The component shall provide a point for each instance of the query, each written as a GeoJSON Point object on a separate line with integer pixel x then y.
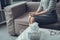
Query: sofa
{"type": "Point", "coordinates": [17, 17]}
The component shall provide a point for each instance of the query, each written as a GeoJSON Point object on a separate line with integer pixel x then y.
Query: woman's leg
{"type": "Point", "coordinates": [31, 19]}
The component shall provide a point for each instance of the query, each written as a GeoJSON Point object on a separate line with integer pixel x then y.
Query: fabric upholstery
{"type": "Point", "coordinates": [19, 10]}
{"type": "Point", "coordinates": [21, 23]}
{"type": "Point", "coordinates": [9, 21]}
{"type": "Point", "coordinates": [9, 14]}
{"type": "Point", "coordinates": [32, 6]}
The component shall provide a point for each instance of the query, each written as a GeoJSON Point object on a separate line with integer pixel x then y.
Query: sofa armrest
{"type": "Point", "coordinates": [32, 6]}
{"type": "Point", "coordinates": [16, 9]}
{"type": "Point", "coordinates": [12, 12]}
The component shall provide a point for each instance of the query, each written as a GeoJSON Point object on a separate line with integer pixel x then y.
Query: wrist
{"type": "Point", "coordinates": [36, 13]}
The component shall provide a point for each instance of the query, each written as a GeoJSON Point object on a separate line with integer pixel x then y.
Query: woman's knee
{"type": "Point", "coordinates": [32, 20]}
{"type": "Point", "coordinates": [29, 18]}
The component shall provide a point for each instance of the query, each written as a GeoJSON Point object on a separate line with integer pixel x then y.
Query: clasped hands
{"type": "Point", "coordinates": [37, 13]}
{"type": "Point", "coordinates": [33, 13]}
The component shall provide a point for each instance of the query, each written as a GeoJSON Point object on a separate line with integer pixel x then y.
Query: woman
{"type": "Point", "coordinates": [45, 14]}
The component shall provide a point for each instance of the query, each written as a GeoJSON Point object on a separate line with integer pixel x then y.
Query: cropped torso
{"type": "Point", "coordinates": [45, 5]}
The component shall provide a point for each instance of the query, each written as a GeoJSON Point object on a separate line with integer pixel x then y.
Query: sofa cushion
{"type": "Point", "coordinates": [22, 20]}
{"type": "Point", "coordinates": [21, 23]}
{"type": "Point", "coordinates": [32, 6]}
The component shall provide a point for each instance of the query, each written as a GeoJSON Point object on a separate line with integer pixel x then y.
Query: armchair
{"type": "Point", "coordinates": [17, 17]}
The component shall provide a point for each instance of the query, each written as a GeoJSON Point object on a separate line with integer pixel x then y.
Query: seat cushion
{"type": "Point", "coordinates": [21, 23]}
{"type": "Point", "coordinates": [22, 20]}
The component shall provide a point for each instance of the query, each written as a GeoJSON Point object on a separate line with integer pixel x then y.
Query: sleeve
{"type": "Point", "coordinates": [52, 5]}
{"type": "Point", "coordinates": [40, 6]}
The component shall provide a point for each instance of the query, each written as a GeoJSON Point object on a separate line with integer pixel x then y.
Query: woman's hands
{"type": "Point", "coordinates": [33, 13]}
{"type": "Point", "coordinates": [36, 13]}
